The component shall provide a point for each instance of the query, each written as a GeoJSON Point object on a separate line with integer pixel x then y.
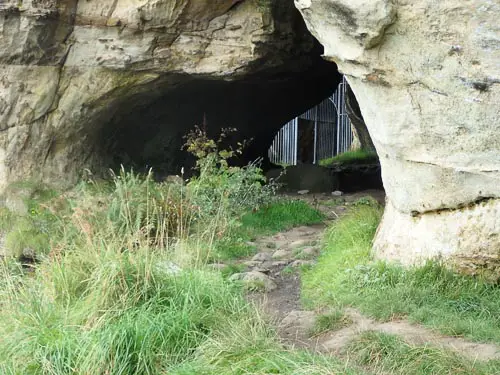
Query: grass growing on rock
{"type": "Point", "coordinates": [351, 157]}
{"type": "Point", "coordinates": [433, 295]}
{"type": "Point", "coordinates": [390, 354]}
{"type": "Point", "coordinates": [330, 321]}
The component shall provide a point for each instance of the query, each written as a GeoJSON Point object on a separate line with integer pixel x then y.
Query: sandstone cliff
{"type": "Point", "coordinates": [72, 69]}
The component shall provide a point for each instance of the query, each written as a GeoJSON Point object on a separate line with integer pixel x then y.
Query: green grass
{"type": "Point", "coordinates": [251, 350]}
{"type": "Point", "coordinates": [280, 216]}
{"type": "Point", "coordinates": [231, 269]}
{"type": "Point", "coordinates": [345, 276]}
{"type": "Point", "coordinates": [330, 321]}
{"type": "Point", "coordinates": [270, 219]}
{"type": "Point", "coordinates": [351, 157]}
{"type": "Point", "coordinates": [116, 295]}
{"type": "Point", "coordinates": [390, 354]}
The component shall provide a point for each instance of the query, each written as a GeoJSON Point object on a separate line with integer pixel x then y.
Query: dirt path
{"type": "Point", "coordinates": [275, 274]}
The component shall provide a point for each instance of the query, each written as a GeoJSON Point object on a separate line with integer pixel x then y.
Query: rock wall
{"type": "Point", "coordinates": [426, 74]}
{"type": "Point", "coordinates": [69, 68]}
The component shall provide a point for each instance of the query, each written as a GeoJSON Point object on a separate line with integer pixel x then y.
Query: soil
{"type": "Point", "coordinates": [280, 257]}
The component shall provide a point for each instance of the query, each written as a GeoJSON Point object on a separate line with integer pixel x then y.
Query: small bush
{"type": "Point", "coordinates": [28, 236]}
{"type": "Point", "coordinates": [26, 240]}
{"type": "Point", "coordinates": [221, 186]}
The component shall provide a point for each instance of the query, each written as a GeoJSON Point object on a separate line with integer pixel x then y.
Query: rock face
{"type": "Point", "coordinates": [75, 75]}
{"type": "Point", "coordinates": [426, 75]}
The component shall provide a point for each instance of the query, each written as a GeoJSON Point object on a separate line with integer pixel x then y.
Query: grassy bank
{"type": "Point", "coordinates": [385, 353]}
{"type": "Point", "coordinates": [346, 276]}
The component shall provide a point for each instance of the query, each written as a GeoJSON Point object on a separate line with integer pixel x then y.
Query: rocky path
{"type": "Point", "coordinates": [273, 279]}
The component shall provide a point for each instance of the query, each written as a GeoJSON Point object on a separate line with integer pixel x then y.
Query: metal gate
{"type": "Point", "coordinates": [332, 131]}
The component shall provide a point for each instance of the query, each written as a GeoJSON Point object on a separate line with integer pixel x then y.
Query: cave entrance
{"type": "Point", "coordinates": [148, 132]}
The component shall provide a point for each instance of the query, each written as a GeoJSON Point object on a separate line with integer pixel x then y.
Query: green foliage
{"type": "Point", "coordinates": [351, 157]}
{"type": "Point", "coordinates": [147, 319]}
{"type": "Point", "coordinates": [264, 5]}
{"type": "Point", "coordinates": [249, 348]}
{"type": "Point", "coordinates": [231, 269]}
{"type": "Point", "coordinates": [391, 354]}
{"type": "Point", "coordinates": [123, 290]}
{"type": "Point", "coordinates": [345, 275]}
{"type": "Point", "coordinates": [220, 186]}
{"type": "Point", "coordinates": [366, 201]}
{"type": "Point", "coordinates": [29, 235]}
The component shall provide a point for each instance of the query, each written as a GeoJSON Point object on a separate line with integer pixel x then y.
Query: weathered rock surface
{"type": "Point", "coordinates": [71, 69]}
{"type": "Point", "coordinates": [427, 79]}
{"type": "Point", "coordinates": [255, 281]}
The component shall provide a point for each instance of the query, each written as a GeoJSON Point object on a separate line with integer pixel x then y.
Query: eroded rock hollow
{"type": "Point", "coordinates": [426, 75]}
{"type": "Point", "coordinates": [89, 83]}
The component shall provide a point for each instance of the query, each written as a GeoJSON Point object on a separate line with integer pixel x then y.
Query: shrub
{"type": "Point", "coordinates": [220, 186]}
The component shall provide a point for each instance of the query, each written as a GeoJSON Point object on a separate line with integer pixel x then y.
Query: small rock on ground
{"type": "Point", "coordinates": [282, 254]}
{"type": "Point", "coordinates": [301, 262]}
{"type": "Point", "coordinates": [255, 280]}
{"type": "Point", "coordinates": [261, 257]}
{"type": "Point", "coordinates": [300, 243]}
{"type": "Point", "coordinates": [309, 252]}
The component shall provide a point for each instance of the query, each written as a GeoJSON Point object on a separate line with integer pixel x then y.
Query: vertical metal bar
{"type": "Point", "coordinates": [339, 124]}
{"type": "Point", "coordinates": [280, 150]}
{"type": "Point", "coordinates": [315, 135]}
{"type": "Point", "coordinates": [296, 128]}
{"type": "Point", "coordinates": [288, 144]}
{"type": "Point", "coordinates": [285, 156]}
{"type": "Point", "coordinates": [285, 144]}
